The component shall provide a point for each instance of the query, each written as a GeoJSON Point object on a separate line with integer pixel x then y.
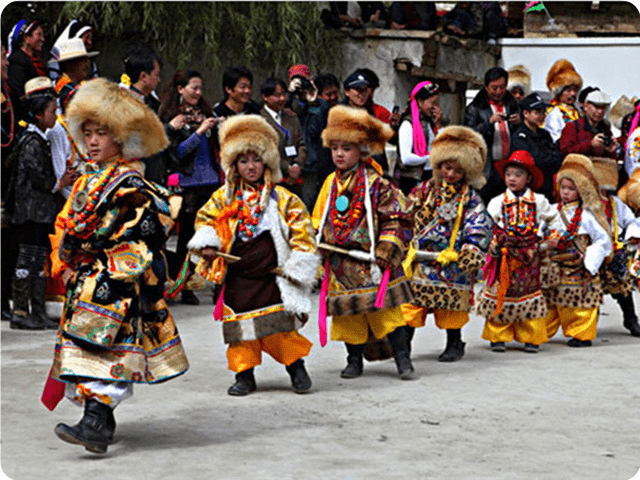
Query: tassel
{"type": "Point", "coordinates": [407, 264]}
{"type": "Point", "coordinates": [489, 271]}
{"type": "Point", "coordinates": [181, 280]}
{"type": "Point", "coordinates": [322, 310]}
{"type": "Point", "coordinates": [219, 308]}
{"type": "Point", "coordinates": [445, 257]}
{"type": "Point", "coordinates": [53, 392]}
{"type": "Point", "coordinates": [504, 281]}
{"type": "Point", "coordinates": [382, 290]}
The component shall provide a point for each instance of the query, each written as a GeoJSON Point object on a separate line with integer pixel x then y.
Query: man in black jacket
{"type": "Point", "coordinates": [537, 141]}
{"type": "Point", "coordinates": [494, 114]}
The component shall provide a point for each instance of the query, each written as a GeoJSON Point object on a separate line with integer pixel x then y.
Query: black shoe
{"type": "Point", "coordinates": [300, 380]}
{"type": "Point", "coordinates": [531, 348]}
{"type": "Point", "coordinates": [245, 384]}
{"type": "Point", "coordinates": [355, 361]}
{"type": "Point", "coordinates": [189, 298]}
{"type": "Point", "coordinates": [574, 342]}
{"type": "Point", "coordinates": [6, 315]}
{"type": "Point", "coordinates": [453, 352]}
{"type": "Point", "coordinates": [631, 324]}
{"type": "Point", "coordinates": [19, 322]}
{"type": "Point", "coordinates": [498, 347]}
{"type": "Point", "coordinates": [94, 431]}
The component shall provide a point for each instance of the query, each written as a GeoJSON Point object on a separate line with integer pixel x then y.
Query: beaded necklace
{"type": "Point", "coordinates": [572, 229]}
{"type": "Point", "coordinates": [520, 220]}
{"type": "Point", "coordinates": [344, 214]}
{"type": "Point", "coordinates": [248, 216]}
{"type": "Point", "coordinates": [82, 219]}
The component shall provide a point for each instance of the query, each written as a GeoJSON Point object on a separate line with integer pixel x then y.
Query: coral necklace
{"type": "Point", "coordinates": [344, 214]}
{"type": "Point", "coordinates": [520, 220]}
{"type": "Point", "coordinates": [82, 219]}
{"type": "Point", "coordinates": [572, 229]}
{"type": "Point", "coordinates": [248, 209]}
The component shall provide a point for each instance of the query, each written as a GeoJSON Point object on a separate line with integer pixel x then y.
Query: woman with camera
{"type": "Point", "coordinates": [193, 147]}
{"type": "Point", "coordinates": [418, 127]}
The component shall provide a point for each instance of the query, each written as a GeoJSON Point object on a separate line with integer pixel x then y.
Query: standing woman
{"type": "Point", "coordinates": [418, 127]}
{"type": "Point", "coordinates": [190, 120]}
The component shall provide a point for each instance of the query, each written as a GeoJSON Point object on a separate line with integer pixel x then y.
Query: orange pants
{"type": "Point", "coordinates": [416, 317]}
{"type": "Point", "coordinates": [530, 331]}
{"type": "Point", "coordinates": [284, 347]}
{"type": "Point", "coordinates": [580, 323]}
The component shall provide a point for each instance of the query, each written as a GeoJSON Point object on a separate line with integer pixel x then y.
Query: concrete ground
{"type": "Point", "coordinates": [563, 413]}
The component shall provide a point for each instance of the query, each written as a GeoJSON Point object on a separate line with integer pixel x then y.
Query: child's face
{"type": "Point", "coordinates": [451, 171]}
{"type": "Point", "coordinates": [100, 144]}
{"type": "Point", "coordinates": [516, 178]}
{"type": "Point", "coordinates": [344, 154]}
{"type": "Point", "coordinates": [47, 119]}
{"type": "Point", "coordinates": [250, 167]}
{"type": "Point", "coordinates": [568, 191]}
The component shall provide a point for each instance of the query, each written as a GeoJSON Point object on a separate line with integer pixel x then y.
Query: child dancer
{"type": "Point", "coordinates": [364, 225]}
{"type": "Point", "coordinates": [267, 289]}
{"type": "Point", "coordinates": [583, 244]}
{"type": "Point", "coordinates": [116, 329]}
{"type": "Point", "coordinates": [512, 300]}
{"type": "Point", "coordinates": [452, 223]}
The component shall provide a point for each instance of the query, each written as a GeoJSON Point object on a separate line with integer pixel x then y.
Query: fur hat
{"type": "Point", "coordinates": [356, 125]}
{"type": "Point", "coordinates": [630, 192]}
{"type": "Point", "coordinates": [561, 75]}
{"type": "Point", "coordinates": [579, 169]}
{"type": "Point", "coordinates": [606, 173]}
{"type": "Point", "coordinates": [622, 108]}
{"type": "Point", "coordinates": [519, 76]}
{"type": "Point", "coordinates": [465, 146]}
{"type": "Point", "coordinates": [522, 159]}
{"type": "Point", "coordinates": [133, 125]}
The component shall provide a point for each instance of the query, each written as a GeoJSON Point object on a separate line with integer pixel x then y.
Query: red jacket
{"type": "Point", "coordinates": [576, 138]}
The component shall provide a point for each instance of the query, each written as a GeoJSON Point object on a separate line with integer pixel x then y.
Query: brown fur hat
{"type": "Point", "coordinates": [519, 76]}
{"type": "Point", "coordinates": [356, 125]}
{"type": "Point", "coordinates": [562, 74]}
{"type": "Point", "coordinates": [133, 125]}
{"type": "Point", "coordinates": [465, 146]}
{"type": "Point", "coordinates": [579, 169]}
{"type": "Point", "coordinates": [248, 133]}
{"type": "Point", "coordinates": [630, 192]}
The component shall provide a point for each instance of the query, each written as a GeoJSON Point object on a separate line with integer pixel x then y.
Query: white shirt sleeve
{"type": "Point", "coordinates": [627, 221]}
{"type": "Point", "coordinates": [553, 123]}
{"type": "Point", "coordinates": [600, 243]}
{"type": "Point", "coordinates": [405, 143]}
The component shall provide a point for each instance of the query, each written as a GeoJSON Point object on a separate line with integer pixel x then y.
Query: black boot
{"type": "Point", "coordinates": [189, 298]}
{"type": "Point", "coordinates": [21, 291]}
{"type": "Point", "coordinates": [454, 350]}
{"type": "Point", "coordinates": [300, 380]}
{"type": "Point", "coordinates": [410, 332]}
{"type": "Point", "coordinates": [245, 384]}
{"type": "Point", "coordinates": [630, 321]}
{"type": "Point", "coordinates": [399, 340]}
{"type": "Point", "coordinates": [38, 309]}
{"type": "Point", "coordinates": [95, 429]}
{"type": "Point", "coordinates": [354, 361]}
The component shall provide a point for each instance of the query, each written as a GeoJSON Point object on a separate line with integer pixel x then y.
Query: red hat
{"type": "Point", "coordinates": [522, 158]}
{"type": "Point", "coordinates": [299, 70]}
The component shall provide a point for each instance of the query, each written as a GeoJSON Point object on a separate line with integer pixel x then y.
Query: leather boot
{"type": "Point", "coordinates": [454, 350]}
{"type": "Point", "coordinates": [354, 361]}
{"type": "Point", "coordinates": [21, 291]}
{"type": "Point", "coordinates": [399, 340]}
{"type": "Point", "coordinates": [410, 332]}
{"type": "Point", "coordinates": [245, 384]}
{"type": "Point", "coordinates": [95, 429]}
{"type": "Point", "coordinates": [300, 380]}
{"type": "Point", "coordinates": [630, 317]}
{"type": "Point", "coordinates": [38, 309]}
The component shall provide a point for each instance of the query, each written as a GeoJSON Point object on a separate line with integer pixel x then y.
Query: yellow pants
{"type": "Point", "coordinates": [530, 331]}
{"type": "Point", "coordinates": [416, 317]}
{"type": "Point", "coordinates": [354, 329]}
{"type": "Point", "coordinates": [284, 347]}
{"type": "Point", "coordinates": [580, 323]}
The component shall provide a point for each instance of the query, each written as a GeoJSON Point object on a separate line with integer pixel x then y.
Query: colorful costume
{"type": "Point", "coordinates": [512, 300]}
{"type": "Point", "coordinates": [584, 244]}
{"type": "Point", "coordinates": [266, 293]}
{"type": "Point", "coordinates": [442, 211]}
{"type": "Point", "coordinates": [561, 75]}
{"type": "Point", "coordinates": [359, 211]}
{"type": "Point", "coordinates": [116, 329]}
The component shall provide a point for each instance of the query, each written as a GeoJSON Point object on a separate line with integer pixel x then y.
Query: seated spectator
{"type": "Point", "coordinates": [537, 141]}
{"type": "Point", "coordinates": [237, 83]}
{"type": "Point", "coordinates": [413, 16]}
{"type": "Point", "coordinates": [464, 20]}
{"type": "Point", "coordinates": [373, 14]}
{"type": "Point", "coordinates": [328, 88]}
{"type": "Point", "coordinates": [340, 15]}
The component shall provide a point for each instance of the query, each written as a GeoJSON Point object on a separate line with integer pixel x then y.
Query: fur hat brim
{"type": "Point", "coordinates": [242, 134]}
{"type": "Point", "coordinates": [630, 192]}
{"type": "Point", "coordinates": [356, 125]}
{"type": "Point", "coordinates": [519, 76]}
{"type": "Point", "coordinates": [561, 75]}
{"type": "Point", "coordinates": [464, 146]}
{"type": "Point", "coordinates": [132, 124]}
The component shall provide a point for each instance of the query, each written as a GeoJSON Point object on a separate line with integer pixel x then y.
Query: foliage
{"type": "Point", "coordinates": [253, 33]}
